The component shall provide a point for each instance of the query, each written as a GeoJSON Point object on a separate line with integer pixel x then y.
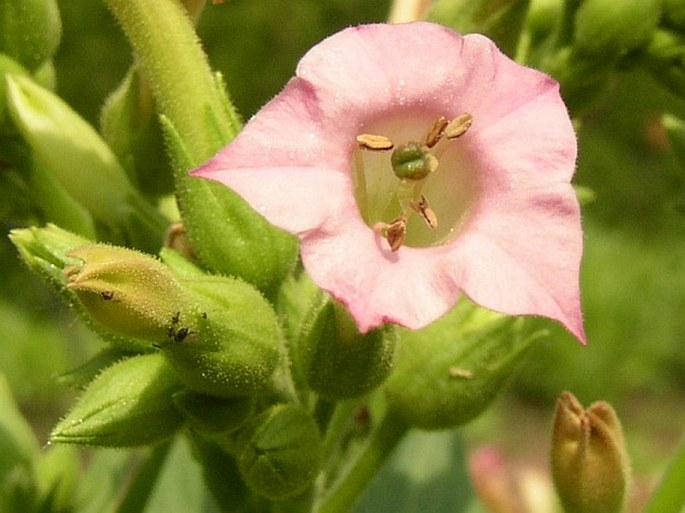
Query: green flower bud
{"type": "Point", "coordinates": [128, 292]}
{"type": "Point", "coordinates": [213, 415]}
{"type": "Point", "coordinates": [73, 152]}
{"type": "Point", "coordinates": [333, 358]}
{"type": "Point", "coordinates": [614, 27]}
{"type": "Point", "coordinates": [79, 377]}
{"type": "Point", "coordinates": [45, 251]}
{"type": "Point", "coordinates": [30, 30]}
{"type": "Point", "coordinates": [130, 126]}
{"type": "Point", "coordinates": [128, 404]}
{"type": "Point", "coordinates": [589, 462]}
{"type": "Point", "coordinates": [448, 373]}
{"type": "Point", "coordinates": [665, 60]}
{"type": "Point", "coordinates": [230, 343]}
{"type": "Point", "coordinates": [280, 452]}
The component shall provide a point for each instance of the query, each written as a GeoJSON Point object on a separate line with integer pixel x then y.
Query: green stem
{"type": "Point", "coordinates": [669, 497]}
{"type": "Point", "coordinates": [170, 57]}
{"type": "Point", "coordinates": [143, 483]}
{"type": "Point", "coordinates": [349, 488]}
{"type": "Point", "coordinates": [337, 426]}
{"type": "Point", "coordinates": [567, 23]}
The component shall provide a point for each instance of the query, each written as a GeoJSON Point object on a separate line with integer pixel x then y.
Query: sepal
{"type": "Point", "coordinates": [329, 354]}
{"type": "Point", "coordinates": [229, 343]}
{"type": "Point", "coordinates": [128, 404]}
{"type": "Point", "coordinates": [211, 415]}
{"type": "Point", "coordinates": [448, 373]}
{"type": "Point", "coordinates": [280, 452]}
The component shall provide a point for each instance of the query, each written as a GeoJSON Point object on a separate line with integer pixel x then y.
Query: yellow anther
{"type": "Point", "coordinates": [374, 142]}
{"type": "Point", "coordinates": [458, 126]}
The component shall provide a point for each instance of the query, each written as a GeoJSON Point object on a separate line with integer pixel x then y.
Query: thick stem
{"type": "Point", "coordinates": [350, 487]}
{"type": "Point", "coordinates": [177, 70]}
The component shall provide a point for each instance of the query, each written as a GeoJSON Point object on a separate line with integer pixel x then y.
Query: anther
{"type": "Point", "coordinates": [458, 126]}
{"type": "Point", "coordinates": [374, 142]}
{"type": "Point", "coordinates": [426, 212]}
{"type": "Point", "coordinates": [436, 131]}
{"type": "Point", "coordinates": [394, 233]}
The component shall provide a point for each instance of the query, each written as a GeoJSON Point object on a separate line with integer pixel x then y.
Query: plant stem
{"type": "Point", "coordinates": [349, 488]}
{"type": "Point", "coordinates": [138, 493]}
{"type": "Point", "coordinates": [170, 57]}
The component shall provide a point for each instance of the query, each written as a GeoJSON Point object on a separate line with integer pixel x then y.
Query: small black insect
{"type": "Point", "coordinates": [107, 295]}
{"type": "Point", "coordinates": [181, 334]}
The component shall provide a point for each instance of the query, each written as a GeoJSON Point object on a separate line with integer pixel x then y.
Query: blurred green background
{"type": "Point", "coordinates": [633, 277]}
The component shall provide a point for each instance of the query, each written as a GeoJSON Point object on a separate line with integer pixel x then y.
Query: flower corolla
{"type": "Point", "coordinates": [416, 164]}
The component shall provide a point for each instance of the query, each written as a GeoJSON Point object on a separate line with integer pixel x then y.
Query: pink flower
{"type": "Point", "coordinates": [481, 206]}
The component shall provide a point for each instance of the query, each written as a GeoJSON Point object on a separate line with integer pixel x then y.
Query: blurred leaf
{"type": "Point", "coordinates": [18, 445]}
{"type": "Point", "coordinates": [426, 473]}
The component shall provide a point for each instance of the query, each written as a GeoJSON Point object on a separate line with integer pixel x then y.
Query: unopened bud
{"type": "Point", "coordinates": [464, 360]}
{"type": "Point", "coordinates": [129, 292]}
{"type": "Point", "coordinates": [229, 343]}
{"type": "Point", "coordinates": [338, 362]}
{"type": "Point", "coordinates": [589, 462]}
{"type": "Point", "coordinates": [280, 452]}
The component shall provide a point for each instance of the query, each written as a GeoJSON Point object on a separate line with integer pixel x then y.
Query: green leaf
{"type": "Point", "coordinates": [18, 445]}
{"type": "Point", "coordinates": [669, 496]}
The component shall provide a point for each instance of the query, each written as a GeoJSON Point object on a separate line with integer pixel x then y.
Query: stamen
{"type": "Point", "coordinates": [458, 126]}
{"type": "Point", "coordinates": [394, 233]}
{"type": "Point", "coordinates": [426, 212]}
{"type": "Point", "coordinates": [374, 142]}
{"type": "Point", "coordinates": [436, 131]}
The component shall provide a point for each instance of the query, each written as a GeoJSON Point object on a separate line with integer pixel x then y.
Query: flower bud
{"type": "Point", "coordinates": [280, 452]}
{"type": "Point", "coordinates": [213, 415]}
{"type": "Point", "coordinates": [335, 359]}
{"type": "Point", "coordinates": [31, 30]}
{"type": "Point", "coordinates": [448, 373]}
{"type": "Point", "coordinates": [68, 148]}
{"type": "Point", "coordinates": [128, 292]}
{"type": "Point", "coordinates": [589, 462]}
{"type": "Point", "coordinates": [611, 27]}
{"type": "Point", "coordinates": [229, 344]}
{"type": "Point", "coordinates": [128, 404]}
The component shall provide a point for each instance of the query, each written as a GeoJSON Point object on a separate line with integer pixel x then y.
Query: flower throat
{"type": "Point", "coordinates": [413, 163]}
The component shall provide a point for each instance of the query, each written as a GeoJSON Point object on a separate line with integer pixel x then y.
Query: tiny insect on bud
{"type": "Point", "coordinates": [374, 142]}
{"type": "Point", "coordinates": [458, 126]}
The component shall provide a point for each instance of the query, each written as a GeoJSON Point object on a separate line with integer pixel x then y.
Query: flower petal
{"type": "Point", "coordinates": [528, 249]}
